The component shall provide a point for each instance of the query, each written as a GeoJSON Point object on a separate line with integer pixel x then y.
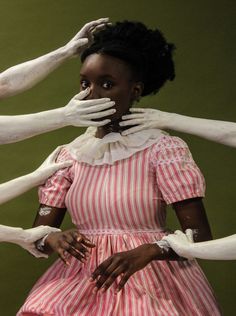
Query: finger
{"type": "Point", "coordinates": [132, 116]}
{"type": "Point", "coordinates": [88, 26]}
{"type": "Point", "coordinates": [102, 267]}
{"type": "Point", "coordinates": [82, 94]}
{"type": "Point", "coordinates": [88, 243]}
{"type": "Point", "coordinates": [93, 116]}
{"type": "Point", "coordinates": [62, 255]}
{"type": "Point", "coordinates": [99, 107]}
{"type": "Point", "coordinates": [100, 27]}
{"type": "Point", "coordinates": [93, 24]}
{"type": "Point", "coordinates": [97, 124]}
{"type": "Point", "coordinates": [53, 156]}
{"type": "Point", "coordinates": [73, 251]}
{"type": "Point", "coordinates": [133, 130]}
{"type": "Point", "coordinates": [108, 273]}
{"type": "Point", "coordinates": [139, 110]}
{"type": "Point", "coordinates": [36, 253]}
{"type": "Point", "coordinates": [101, 123]}
{"type": "Point", "coordinates": [81, 42]}
{"type": "Point", "coordinates": [91, 103]}
{"type": "Point", "coordinates": [179, 233]}
{"type": "Point", "coordinates": [109, 280]}
{"type": "Point", "coordinates": [123, 280]}
{"type": "Point", "coordinates": [64, 164]}
{"type": "Point", "coordinates": [189, 234]}
{"type": "Point", "coordinates": [132, 122]}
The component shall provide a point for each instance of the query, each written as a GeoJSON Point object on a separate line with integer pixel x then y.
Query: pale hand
{"type": "Point", "coordinates": [80, 112]}
{"type": "Point", "coordinates": [84, 37]}
{"type": "Point", "coordinates": [26, 238]}
{"type": "Point", "coordinates": [180, 242]}
{"type": "Point", "coordinates": [141, 119]}
{"type": "Point", "coordinates": [49, 167]}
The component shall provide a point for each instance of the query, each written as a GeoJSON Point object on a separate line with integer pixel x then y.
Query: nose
{"type": "Point", "coordinates": [94, 93]}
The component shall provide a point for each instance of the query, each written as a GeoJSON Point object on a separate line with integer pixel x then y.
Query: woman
{"type": "Point", "coordinates": [218, 131]}
{"type": "Point", "coordinates": [116, 192]}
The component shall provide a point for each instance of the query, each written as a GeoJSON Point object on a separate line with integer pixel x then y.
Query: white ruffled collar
{"type": "Point", "coordinates": [112, 147]}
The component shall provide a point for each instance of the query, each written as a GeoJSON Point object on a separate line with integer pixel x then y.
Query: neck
{"type": "Point", "coordinates": [112, 127]}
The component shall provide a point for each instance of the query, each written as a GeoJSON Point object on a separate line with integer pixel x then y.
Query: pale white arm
{"type": "Point", "coordinates": [77, 112]}
{"type": "Point", "coordinates": [218, 249]}
{"type": "Point", "coordinates": [24, 76]}
{"type": "Point", "coordinates": [26, 238]}
{"type": "Point", "coordinates": [13, 188]}
{"type": "Point", "coordinates": [217, 131]}
{"type": "Point", "coordinates": [18, 186]}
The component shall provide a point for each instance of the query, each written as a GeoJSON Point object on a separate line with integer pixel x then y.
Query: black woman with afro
{"type": "Point", "coordinates": [116, 193]}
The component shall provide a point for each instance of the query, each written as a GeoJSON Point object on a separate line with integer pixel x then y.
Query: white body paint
{"type": "Point", "coordinates": [24, 76]}
{"type": "Point", "coordinates": [218, 249]}
{"type": "Point", "coordinates": [217, 131]}
{"type": "Point", "coordinates": [26, 238]}
{"type": "Point", "coordinates": [77, 112]}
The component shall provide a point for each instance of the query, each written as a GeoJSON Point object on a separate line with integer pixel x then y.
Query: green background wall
{"type": "Point", "coordinates": [204, 33]}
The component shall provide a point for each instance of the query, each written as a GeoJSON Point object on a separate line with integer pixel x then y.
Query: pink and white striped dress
{"type": "Point", "coordinates": [120, 206]}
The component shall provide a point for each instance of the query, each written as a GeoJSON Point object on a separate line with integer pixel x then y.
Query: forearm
{"type": "Point", "coordinates": [219, 249]}
{"type": "Point", "coordinates": [18, 186]}
{"type": "Point", "coordinates": [50, 216]}
{"type": "Point", "coordinates": [24, 76]}
{"type": "Point", "coordinates": [10, 234]}
{"type": "Point", "coordinates": [217, 131]}
{"type": "Point", "coordinates": [155, 252]}
{"type": "Point", "coordinates": [19, 127]}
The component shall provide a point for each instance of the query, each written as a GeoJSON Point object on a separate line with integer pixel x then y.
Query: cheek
{"type": "Point", "coordinates": [123, 103]}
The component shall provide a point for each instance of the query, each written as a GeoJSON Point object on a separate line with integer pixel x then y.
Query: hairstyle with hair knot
{"type": "Point", "coordinates": [145, 50]}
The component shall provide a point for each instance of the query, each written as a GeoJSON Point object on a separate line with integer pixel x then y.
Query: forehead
{"type": "Point", "coordinates": [104, 65]}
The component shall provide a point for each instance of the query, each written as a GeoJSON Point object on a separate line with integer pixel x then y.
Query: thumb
{"type": "Point", "coordinates": [64, 164]}
{"type": "Point", "coordinates": [83, 41]}
{"type": "Point", "coordinates": [82, 95]}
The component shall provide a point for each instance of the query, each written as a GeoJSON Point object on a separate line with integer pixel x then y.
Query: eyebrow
{"type": "Point", "coordinates": [100, 77]}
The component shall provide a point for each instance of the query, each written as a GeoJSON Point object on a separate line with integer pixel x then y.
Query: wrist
{"type": "Point", "coordinates": [166, 120]}
{"type": "Point", "coordinates": [40, 244]}
{"type": "Point", "coordinates": [156, 252]}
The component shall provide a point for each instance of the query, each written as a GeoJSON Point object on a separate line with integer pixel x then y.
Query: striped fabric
{"type": "Point", "coordinates": [120, 207]}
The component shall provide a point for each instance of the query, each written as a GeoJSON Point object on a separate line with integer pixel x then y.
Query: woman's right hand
{"type": "Point", "coordinates": [69, 242]}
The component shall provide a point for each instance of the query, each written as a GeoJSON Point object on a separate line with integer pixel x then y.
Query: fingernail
{"type": "Point", "coordinates": [91, 280]}
{"type": "Point", "coordinates": [103, 290]}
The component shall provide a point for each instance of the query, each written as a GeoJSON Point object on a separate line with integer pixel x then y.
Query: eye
{"type": "Point", "coordinates": [84, 84]}
{"type": "Point", "coordinates": [107, 84]}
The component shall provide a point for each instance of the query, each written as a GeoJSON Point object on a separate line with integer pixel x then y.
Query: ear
{"type": "Point", "coordinates": [137, 90]}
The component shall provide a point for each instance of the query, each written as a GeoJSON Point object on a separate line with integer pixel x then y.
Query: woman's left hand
{"type": "Point", "coordinates": [122, 264]}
